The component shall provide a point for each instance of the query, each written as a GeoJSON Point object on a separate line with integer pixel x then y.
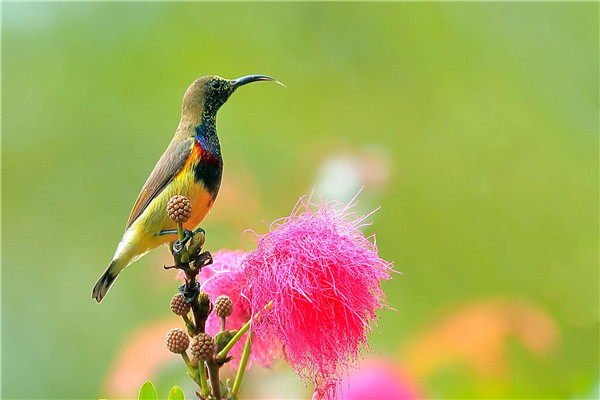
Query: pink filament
{"type": "Point", "coordinates": [323, 276]}
{"type": "Point", "coordinates": [225, 276]}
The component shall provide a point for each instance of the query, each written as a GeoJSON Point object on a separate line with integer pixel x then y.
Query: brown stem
{"type": "Point", "coordinates": [200, 321]}
{"type": "Point", "coordinates": [201, 308]}
{"type": "Point", "coordinates": [215, 383]}
{"type": "Point", "coordinates": [199, 318]}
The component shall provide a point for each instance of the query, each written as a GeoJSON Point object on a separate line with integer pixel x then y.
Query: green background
{"type": "Point", "coordinates": [484, 114]}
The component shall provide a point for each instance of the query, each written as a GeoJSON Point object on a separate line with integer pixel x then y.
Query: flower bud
{"type": "Point", "coordinates": [203, 347]}
{"type": "Point", "coordinates": [204, 304]}
{"type": "Point", "coordinates": [196, 243]}
{"type": "Point", "coordinates": [177, 341]}
{"type": "Point", "coordinates": [179, 305]}
{"type": "Point", "coordinates": [223, 306]}
{"type": "Point", "coordinates": [179, 208]}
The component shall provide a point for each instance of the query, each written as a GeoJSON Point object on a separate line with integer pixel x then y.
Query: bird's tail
{"type": "Point", "coordinates": [106, 280]}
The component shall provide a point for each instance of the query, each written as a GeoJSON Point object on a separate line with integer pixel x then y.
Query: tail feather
{"type": "Point", "coordinates": [105, 282]}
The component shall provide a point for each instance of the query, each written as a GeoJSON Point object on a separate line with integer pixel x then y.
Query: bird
{"type": "Point", "coordinates": [191, 166]}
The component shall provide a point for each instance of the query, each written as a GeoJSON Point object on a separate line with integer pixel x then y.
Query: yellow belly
{"type": "Point", "coordinates": [143, 235]}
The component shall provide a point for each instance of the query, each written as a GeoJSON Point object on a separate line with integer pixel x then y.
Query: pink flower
{"type": "Point", "coordinates": [323, 276]}
{"type": "Point", "coordinates": [379, 380]}
{"type": "Point", "coordinates": [226, 276]}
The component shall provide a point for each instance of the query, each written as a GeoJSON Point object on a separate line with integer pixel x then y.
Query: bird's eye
{"type": "Point", "coordinates": [215, 84]}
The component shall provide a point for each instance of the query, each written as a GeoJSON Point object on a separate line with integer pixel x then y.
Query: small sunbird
{"type": "Point", "coordinates": [191, 166]}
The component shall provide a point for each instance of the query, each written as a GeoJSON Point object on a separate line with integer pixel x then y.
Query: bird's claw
{"type": "Point", "coordinates": [177, 247]}
{"type": "Point", "coordinates": [180, 244]}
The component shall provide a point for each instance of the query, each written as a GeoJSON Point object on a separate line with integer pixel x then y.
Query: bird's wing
{"type": "Point", "coordinates": [168, 166]}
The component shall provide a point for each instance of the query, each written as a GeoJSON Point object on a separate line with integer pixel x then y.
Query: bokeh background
{"type": "Point", "coordinates": [473, 125]}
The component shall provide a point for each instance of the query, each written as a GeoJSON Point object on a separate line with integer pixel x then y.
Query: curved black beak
{"type": "Point", "coordinates": [236, 83]}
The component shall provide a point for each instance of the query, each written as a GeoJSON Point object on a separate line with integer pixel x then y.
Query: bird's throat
{"type": "Point", "coordinates": [206, 136]}
{"type": "Point", "coordinates": [208, 165]}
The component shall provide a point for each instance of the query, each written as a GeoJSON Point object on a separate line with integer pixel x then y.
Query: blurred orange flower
{"type": "Point", "coordinates": [141, 356]}
{"type": "Point", "coordinates": [477, 335]}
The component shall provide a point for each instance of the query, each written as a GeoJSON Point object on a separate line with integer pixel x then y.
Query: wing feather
{"type": "Point", "coordinates": [169, 164]}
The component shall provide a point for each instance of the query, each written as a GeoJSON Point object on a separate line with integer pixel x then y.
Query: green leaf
{"type": "Point", "coordinates": [147, 392]}
{"type": "Point", "coordinates": [176, 393]}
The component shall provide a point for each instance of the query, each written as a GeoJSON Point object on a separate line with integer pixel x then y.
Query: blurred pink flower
{"type": "Point", "coordinates": [323, 276]}
{"type": "Point", "coordinates": [226, 276]}
{"type": "Point", "coordinates": [378, 380]}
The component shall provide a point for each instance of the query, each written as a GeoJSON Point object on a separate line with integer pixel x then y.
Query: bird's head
{"type": "Point", "coordinates": [206, 95]}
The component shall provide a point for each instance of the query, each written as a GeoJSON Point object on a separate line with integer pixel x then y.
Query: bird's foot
{"type": "Point", "coordinates": [180, 244]}
{"type": "Point", "coordinates": [187, 234]}
{"type": "Point", "coordinates": [168, 232]}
